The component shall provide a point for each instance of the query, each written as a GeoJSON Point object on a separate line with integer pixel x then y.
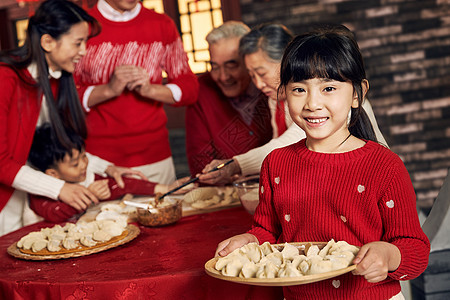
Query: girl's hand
{"type": "Point", "coordinates": [77, 196]}
{"type": "Point", "coordinates": [100, 189]}
{"type": "Point", "coordinates": [222, 176]}
{"type": "Point", "coordinates": [227, 246]}
{"type": "Point", "coordinates": [117, 173]}
{"type": "Point", "coordinates": [374, 261]}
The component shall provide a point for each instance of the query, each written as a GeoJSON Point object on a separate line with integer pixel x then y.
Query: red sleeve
{"type": "Point", "coordinates": [265, 225]}
{"type": "Point", "coordinates": [50, 210]}
{"type": "Point", "coordinates": [408, 235]}
{"type": "Point", "coordinates": [200, 150]}
{"type": "Point", "coordinates": [132, 186]}
{"type": "Point", "coordinates": [177, 66]}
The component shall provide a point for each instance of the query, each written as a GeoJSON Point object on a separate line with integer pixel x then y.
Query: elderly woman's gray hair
{"type": "Point", "coordinates": [228, 29]}
{"type": "Point", "coordinates": [271, 38]}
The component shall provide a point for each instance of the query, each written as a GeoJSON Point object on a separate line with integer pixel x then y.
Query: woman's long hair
{"type": "Point", "coordinates": [329, 52]}
{"type": "Point", "coordinates": [55, 18]}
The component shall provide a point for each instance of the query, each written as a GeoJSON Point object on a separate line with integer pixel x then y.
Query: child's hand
{"type": "Point", "coordinates": [374, 261]}
{"type": "Point", "coordinates": [100, 189]}
{"type": "Point", "coordinates": [117, 173]}
{"type": "Point", "coordinates": [227, 246]}
{"type": "Point", "coordinates": [77, 196]}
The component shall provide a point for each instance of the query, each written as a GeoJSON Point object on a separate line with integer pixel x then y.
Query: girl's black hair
{"type": "Point", "coordinates": [46, 150]}
{"type": "Point", "coordinates": [55, 18]}
{"type": "Point", "coordinates": [330, 52]}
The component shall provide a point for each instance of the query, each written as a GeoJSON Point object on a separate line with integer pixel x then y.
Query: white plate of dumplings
{"type": "Point", "coordinates": [284, 264]}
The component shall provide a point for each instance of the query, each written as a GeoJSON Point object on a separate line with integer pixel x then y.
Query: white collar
{"type": "Point", "coordinates": [32, 68]}
{"type": "Point", "coordinates": [113, 15]}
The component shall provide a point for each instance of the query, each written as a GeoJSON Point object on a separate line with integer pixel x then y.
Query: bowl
{"type": "Point", "coordinates": [248, 191]}
{"type": "Point", "coordinates": [167, 212]}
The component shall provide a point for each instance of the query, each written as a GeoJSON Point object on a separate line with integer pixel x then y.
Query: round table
{"type": "Point", "coordinates": [160, 263]}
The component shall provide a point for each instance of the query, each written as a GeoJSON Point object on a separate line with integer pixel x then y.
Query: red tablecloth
{"type": "Point", "coordinates": [161, 263]}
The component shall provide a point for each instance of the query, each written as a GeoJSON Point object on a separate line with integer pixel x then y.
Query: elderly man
{"type": "Point", "coordinates": [231, 115]}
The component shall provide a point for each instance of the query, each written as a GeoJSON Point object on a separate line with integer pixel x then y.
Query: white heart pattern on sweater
{"type": "Point", "coordinates": [361, 188]}
{"type": "Point", "coordinates": [336, 283]}
{"type": "Point", "coordinates": [390, 203]}
{"type": "Point", "coordinates": [287, 217]}
{"type": "Point", "coordinates": [262, 189]}
{"type": "Point", "coordinates": [277, 180]}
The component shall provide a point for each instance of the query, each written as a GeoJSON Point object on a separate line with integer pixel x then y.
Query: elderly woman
{"type": "Point", "coordinates": [262, 49]}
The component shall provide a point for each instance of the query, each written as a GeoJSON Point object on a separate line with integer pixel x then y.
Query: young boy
{"type": "Point", "coordinates": [50, 157]}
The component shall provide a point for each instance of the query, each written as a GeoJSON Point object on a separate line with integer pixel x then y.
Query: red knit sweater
{"type": "Point", "coordinates": [130, 130]}
{"type": "Point", "coordinates": [57, 211]}
{"type": "Point", "coordinates": [216, 130]}
{"type": "Point", "coordinates": [359, 196]}
{"type": "Point", "coordinates": [20, 103]}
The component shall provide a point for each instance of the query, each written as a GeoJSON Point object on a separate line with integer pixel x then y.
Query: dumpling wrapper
{"type": "Point", "coordinates": [69, 243]}
{"type": "Point", "coordinates": [252, 251]}
{"type": "Point", "coordinates": [38, 245]}
{"type": "Point", "coordinates": [54, 245]}
{"type": "Point", "coordinates": [87, 241]}
{"type": "Point", "coordinates": [289, 251]}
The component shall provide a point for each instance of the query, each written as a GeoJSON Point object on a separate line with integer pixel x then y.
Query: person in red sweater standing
{"type": "Point", "coordinates": [231, 115]}
{"type": "Point", "coordinates": [338, 182]}
{"type": "Point", "coordinates": [72, 165]}
{"type": "Point", "coordinates": [120, 85]}
{"type": "Point", "coordinates": [36, 86]}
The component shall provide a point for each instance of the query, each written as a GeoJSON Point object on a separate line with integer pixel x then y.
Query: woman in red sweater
{"type": "Point", "coordinates": [338, 183]}
{"type": "Point", "coordinates": [36, 86]}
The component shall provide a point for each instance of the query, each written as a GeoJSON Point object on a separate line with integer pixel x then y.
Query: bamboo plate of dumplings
{"type": "Point", "coordinates": [285, 281]}
{"type": "Point", "coordinates": [130, 232]}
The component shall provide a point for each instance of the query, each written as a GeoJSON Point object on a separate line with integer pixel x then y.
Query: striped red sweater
{"type": "Point", "coordinates": [359, 196]}
{"type": "Point", "coordinates": [130, 130]}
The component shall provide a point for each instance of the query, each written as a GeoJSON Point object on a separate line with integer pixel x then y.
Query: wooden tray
{"type": "Point", "coordinates": [131, 232]}
{"type": "Point", "coordinates": [211, 271]}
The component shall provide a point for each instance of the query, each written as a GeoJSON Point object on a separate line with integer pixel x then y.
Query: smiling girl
{"type": "Point", "coordinates": [337, 183]}
{"type": "Point", "coordinates": [36, 86]}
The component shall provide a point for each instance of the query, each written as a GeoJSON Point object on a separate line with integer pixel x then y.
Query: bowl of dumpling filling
{"type": "Point", "coordinates": [248, 191]}
{"type": "Point", "coordinates": [160, 213]}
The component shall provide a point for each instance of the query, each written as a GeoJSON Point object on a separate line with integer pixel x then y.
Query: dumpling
{"type": "Point", "coordinates": [321, 266]}
{"type": "Point", "coordinates": [249, 270]}
{"type": "Point", "coordinates": [268, 270]}
{"type": "Point", "coordinates": [54, 245]}
{"type": "Point", "coordinates": [101, 236]}
{"type": "Point", "coordinates": [274, 257]}
{"type": "Point", "coordinates": [111, 227]}
{"type": "Point", "coordinates": [342, 246]}
{"type": "Point", "coordinates": [252, 251]}
{"type": "Point", "coordinates": [297, 260]}
{"type": "Point", "coordinates": [289, 251]}
{"type": "Point", "coordinates": [38, 245]}
{"type": "Point", "coordinates": [289, 270]}
{"type": "Point", "coordinates": [303, 267]}
{"type": "Point", "coordinates": [27, 241]}
{"type": "Point", "coordinates": [267, 248]}
{"type": "Point", "coordinates": [312, 251]}
{"type": "Point", "coordinates": [324, 251]}
{"type": "Point", "coordinates": [233, 267]}
{"type": "Point", "coordinates": [69, 243]}
{"type": "Point", "coordinates": [337, 262]}
{"type": "Point", "coordinates": [87, 241]}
